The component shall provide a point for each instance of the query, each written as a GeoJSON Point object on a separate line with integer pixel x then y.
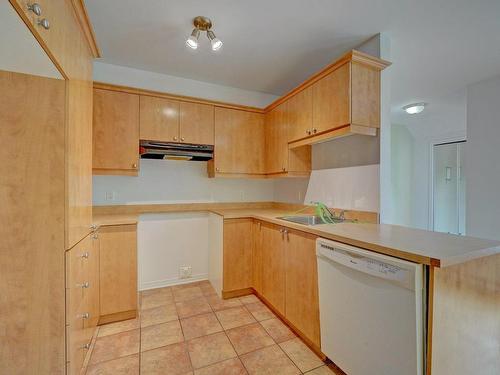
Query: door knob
{"type": "Point", "coordinates": [44, 22]}
{"type": "Point", "coordinates": [35, 8]}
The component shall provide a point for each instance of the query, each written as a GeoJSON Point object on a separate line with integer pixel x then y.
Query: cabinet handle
{"type": "Point", "coordinates": [84, 285]}
{"type": "Point", "coordinates": [35, 8]}
{"type": "Point", "coordinates": [85, 315]}
{"type": "Point", "coordinates": [86, 346]}
{"type": "Point", "coordinates": [182, 139]}
{"type": "Point", "coordinates": [308, 131]}
{"type": "Point", "coordinates": [315, 130]}
{"type": "Point", "coordinates": [93, 227]}
{"type": "Point", "coordinates": [44, 22]}
{"type": "Point", "coordinates": [95, 236]}
{"type": "Point", "coordinates": [85, 255]}
{"type": "Point", "coordinates": [175, 138]}
{"type": "Point", "coordinates": [134, 165]}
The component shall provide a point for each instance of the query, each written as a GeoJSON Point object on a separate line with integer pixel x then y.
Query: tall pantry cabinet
{"type": "Point", "coordinates": [45, 189]}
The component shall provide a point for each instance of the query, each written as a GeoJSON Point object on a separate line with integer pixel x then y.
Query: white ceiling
{"type": "Point", "coordinates": [437, 46]}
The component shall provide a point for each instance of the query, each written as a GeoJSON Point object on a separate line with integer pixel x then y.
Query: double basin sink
{"type": "Point", "coordinates": [314, 220]}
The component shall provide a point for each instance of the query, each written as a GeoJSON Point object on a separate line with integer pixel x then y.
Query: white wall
{"type": "Point", "coordinates": [168, 181]}
{"type": "Point", "coordinates": [442, 121]}
{"type": "Point", "coordinates": [165, 242]}
{"type": "Point", "coordinates": [482, 159]}
{"type": "Point", "coordinates": [402, 143]}
{"type": "Point", "coordinates": [125, 76]}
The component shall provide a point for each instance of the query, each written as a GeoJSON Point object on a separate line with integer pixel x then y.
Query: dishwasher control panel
{"type": "Point", "coordinates": [365, 261]}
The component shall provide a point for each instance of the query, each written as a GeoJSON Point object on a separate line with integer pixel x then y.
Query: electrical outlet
{"type": "Point", "coordinates": [110, 195]}
{"type": "Point", "coordinates": [185, 272]}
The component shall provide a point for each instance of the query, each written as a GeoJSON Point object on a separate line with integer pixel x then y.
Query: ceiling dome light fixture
{"type": "Point", "coordinates": [413, 109]}
{"type": "Point", "coordinates": [203, 24]}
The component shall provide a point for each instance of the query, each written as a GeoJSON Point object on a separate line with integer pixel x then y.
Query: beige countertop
{"type": "Point", "coordinates": [425, 247]}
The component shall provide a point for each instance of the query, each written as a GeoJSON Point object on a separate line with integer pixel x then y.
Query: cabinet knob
{"type": "Point", "coordinates": [217, 169]}
{"type": "Point", "coordinates": [284, 169]}
{"type": "Point", "coordinates": [44, 22]}
{"type": "Point", "coordinates": [175, 138]}
{"type": "Point", "coordinates": [93, 227]}
{"type": "Point", "coordinates": [85, 315]}
{"type": "Point", "coordinates": [35, 8]}
{"type": "Point", "coordinates": [182, 139]}
{"type": "Point", "coordinates": [86, 346]}
{"type": "Point", "coordinates": [134, 165]}
{"type": "Point", "coordinates": [315, 130]}
{"type": "Point", "coordinates": [84, 285]}
{"type": "Point", "coordinates": [308, 131]}
{"type": "Point", "coordinates": [85, 255]}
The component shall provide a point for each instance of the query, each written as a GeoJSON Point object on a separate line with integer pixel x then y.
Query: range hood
{"type": "Point", "coordinates": [175, 151]}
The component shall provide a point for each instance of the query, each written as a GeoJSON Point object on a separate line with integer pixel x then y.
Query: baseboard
{"type": "Point", "coordinates": [173, 281]}
{"type": "Point", "coordinates": [117, 317]}
{"type": "Point", "coordinates": [236, 293]}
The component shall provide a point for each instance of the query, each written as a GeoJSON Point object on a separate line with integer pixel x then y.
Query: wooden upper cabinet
{"type": "Point", "coordinates": [331, 100]}
{"type": "Point", "coordinates": [239, 142]}
{"type": "Point", "coordinates": [365, 87]}
{"type": "Point", "coordinates": [196, 123]}
{"type": "Point", "coordinates": [159, 119]}
{"type": "Point", "coordinates": [116, 132]}
{"type": "Point", "coordinates": [299, 115]}
{"type": "Point", "coordinates": [302, 301]}
{"type": "Point", "coordinates": [276, 140]}
{"type": "Point", "coordinates": [273, 265]}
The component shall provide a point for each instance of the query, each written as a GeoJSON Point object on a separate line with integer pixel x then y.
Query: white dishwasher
{"type": "Point", "coordinates": [371, 311]}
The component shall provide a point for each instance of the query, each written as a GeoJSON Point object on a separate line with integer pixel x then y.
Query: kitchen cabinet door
{"type": "Point", "coordinates": [276, 140]}
{"type": "Point", "coordinates": [302, 302]}
{"type": "Point", "coordinates": [257, 257]}
{"type": "Point", "coordinates": [116, 132]}
{"type": "Point", "coordinates": [239, 142]}
{"type": "Point", "coordinates": [237, 258]}
{"type": "Point", "coordinates": [273, 266]}
{"type": "Point", "coordinates": [299, 115]}
{"type": "Point", "coordinates": [118, 272]}
{"type": "Point", "coordinates": [331, 100]}
{"type": "Point", "coordinates": [159, 119]}
{"type": "Point", "coordinates": [197, 123]}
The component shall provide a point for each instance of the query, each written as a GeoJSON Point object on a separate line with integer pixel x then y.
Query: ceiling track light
{"type": "Point", "coordinates": [203, 24]}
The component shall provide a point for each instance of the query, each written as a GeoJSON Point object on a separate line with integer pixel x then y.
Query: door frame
{"type": "Point", "coordinates": [435, 142]}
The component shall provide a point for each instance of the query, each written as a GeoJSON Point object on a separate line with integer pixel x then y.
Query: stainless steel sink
{"type": "Point", "coordinates": [311, 220]}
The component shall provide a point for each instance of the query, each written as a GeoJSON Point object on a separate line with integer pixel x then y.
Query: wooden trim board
{"type": "Point", "coordinates": [86, 26]}
{"type": "Point", "coordinates": [117, 317]}
{"type": "Point", "coordinates": [182, 98]}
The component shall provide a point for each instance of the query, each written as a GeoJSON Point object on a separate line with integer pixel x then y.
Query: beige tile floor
{"type": "Point", "coordinates": [187, 329]}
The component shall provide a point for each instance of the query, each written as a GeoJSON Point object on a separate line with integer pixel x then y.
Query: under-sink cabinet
{"type": "Point", "coordinates": [279, 264]}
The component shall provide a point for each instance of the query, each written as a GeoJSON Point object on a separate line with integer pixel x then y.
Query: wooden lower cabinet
{"type": "Point", "coordinates": [280, 264]}
{"type": "Point", "coordinates": [301, 280]}
{"type": "Point", "coordinates": [237, 258]}
{"type": "Point", "coordinates": [257, 257]}
{"type": "Point", "coordinates": [82, 300]}
{"type": "Point", "coordinates": [118, 272]}
{"type": "Point", "coordinates": [273, 265]}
